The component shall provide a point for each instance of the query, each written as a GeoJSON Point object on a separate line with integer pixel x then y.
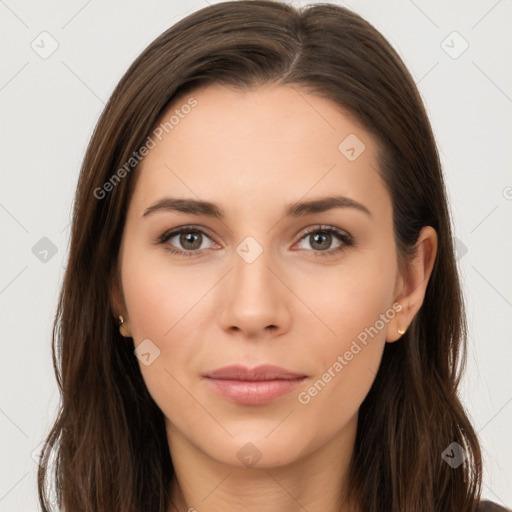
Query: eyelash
{"type": "Point", "coordinates": [346, 239]}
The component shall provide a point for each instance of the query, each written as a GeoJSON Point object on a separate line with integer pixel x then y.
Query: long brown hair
{"type": "Point", "coordinates": [109, 440]}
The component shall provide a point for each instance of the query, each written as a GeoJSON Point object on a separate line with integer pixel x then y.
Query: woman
{"type": "Point", "coordinates": [261, 308]}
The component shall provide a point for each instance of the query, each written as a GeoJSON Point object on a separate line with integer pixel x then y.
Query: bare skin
{"type": "Point", "coordinates": [300, 304]}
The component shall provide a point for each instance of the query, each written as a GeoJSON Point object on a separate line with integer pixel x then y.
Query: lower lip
{"type": "Point", "coordinates": [254, 392]}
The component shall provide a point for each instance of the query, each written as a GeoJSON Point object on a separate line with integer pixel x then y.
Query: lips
{"type": "Point", "coordinates": [255, 386]}
{"type": "Point", "coordinates": [260, 373]}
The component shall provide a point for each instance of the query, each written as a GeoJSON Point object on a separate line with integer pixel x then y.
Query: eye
{"type": "Point", "coordinates": [191, 240]}
{"type": "Point", "coordinates": [321, 238]}
{"type": "Point", "coordinates": [188, 237]}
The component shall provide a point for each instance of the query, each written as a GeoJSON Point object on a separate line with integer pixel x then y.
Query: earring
{"type": "Point", "coordinates": [401, 331]}
{"type": "Point", "coordinates": [121, 322]}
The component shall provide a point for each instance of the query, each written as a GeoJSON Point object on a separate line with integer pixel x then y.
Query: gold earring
{"type": "Point", "coordinates": [401, 331]}
{"type": "Point", "coordinates": [121, 322]}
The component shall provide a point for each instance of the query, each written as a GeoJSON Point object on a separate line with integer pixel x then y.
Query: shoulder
{"type": "Point", "coordinates": [489, 506]}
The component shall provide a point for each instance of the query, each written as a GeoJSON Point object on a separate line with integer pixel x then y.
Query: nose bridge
{"type": "Point", "coordinates": [255, 296]}
{"type": "Point", "coordinates": [251, 269]}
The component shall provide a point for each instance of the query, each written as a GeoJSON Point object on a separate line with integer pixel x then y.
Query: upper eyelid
{"type": "Point", "coordinates": [323, 227]}
{"type": "Point", "coordinates": [176, 231]}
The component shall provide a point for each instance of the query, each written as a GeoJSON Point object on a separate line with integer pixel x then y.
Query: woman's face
{"type": "Point", "coordinates": [260, 285]}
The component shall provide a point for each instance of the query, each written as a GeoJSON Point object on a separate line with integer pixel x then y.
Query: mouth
{"type": "Point", "coordinates": [255, 386]}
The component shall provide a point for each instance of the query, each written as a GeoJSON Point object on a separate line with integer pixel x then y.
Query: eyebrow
{"type": "Point", "coordinates": [298, 209]}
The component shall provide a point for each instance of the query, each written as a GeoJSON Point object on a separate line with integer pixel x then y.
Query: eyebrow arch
{"type": "Point", "coordinates": [298, 209]}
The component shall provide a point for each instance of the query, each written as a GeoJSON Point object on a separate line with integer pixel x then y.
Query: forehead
{"type": "Point", "coordinates": [272, 144]}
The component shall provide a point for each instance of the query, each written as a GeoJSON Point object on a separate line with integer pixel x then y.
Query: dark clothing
{"type": "Point", "coordinates": [489, 506]}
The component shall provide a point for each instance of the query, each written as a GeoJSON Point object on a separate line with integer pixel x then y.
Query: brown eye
{"type": "Point", "coordinates": [190, 240]}
{"type": "Point", "coordinates": [321, 239]}
{"type": "Point", "coordinates": [185, 241]}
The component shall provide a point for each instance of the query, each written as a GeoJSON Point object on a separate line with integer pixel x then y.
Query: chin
{"type": "Point", "coordinates": [259, 450]}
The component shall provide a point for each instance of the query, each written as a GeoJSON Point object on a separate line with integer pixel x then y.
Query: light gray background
{"type": "Point", "coordinates": [50, 106]}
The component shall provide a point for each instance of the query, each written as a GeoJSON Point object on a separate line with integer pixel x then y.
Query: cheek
{"type": "Point", "coordinates": [160, 301]}
{"type": "Point", "coordinates": [166, 304]}
{"type": "Point", "coordinates": [352, 297]}
{"type": "Point", "coordinates": [149, 303]}
{"type": "Point", "coordinates": [355, 305]}
{"type": "Point", "coordinates": [158, 294]}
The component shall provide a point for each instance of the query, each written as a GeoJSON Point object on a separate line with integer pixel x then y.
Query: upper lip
{"type": "Point", "coordinates": [262, 372]}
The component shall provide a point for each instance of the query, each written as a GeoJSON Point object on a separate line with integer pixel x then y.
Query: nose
{"type": "Point", "coordinates": [254, 300]}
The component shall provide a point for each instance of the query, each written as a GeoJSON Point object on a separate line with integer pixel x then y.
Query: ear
{"type": "Point", "coordinates": [412, 283]}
